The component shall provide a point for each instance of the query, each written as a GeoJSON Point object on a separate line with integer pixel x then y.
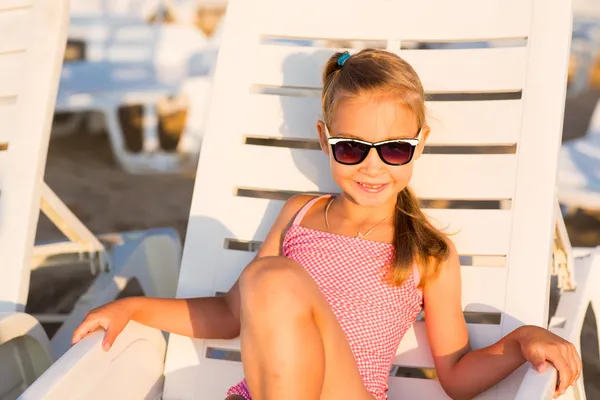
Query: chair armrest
{"type": "Point", "coordinates": [132, 369]}
{"type": "Point", "coordinates": [537, 385]}
{"type": "Point", "coordinates": [17, 324]}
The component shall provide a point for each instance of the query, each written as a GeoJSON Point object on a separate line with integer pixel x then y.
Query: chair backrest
{"type": "Point", "coordinates": [586, 8]}
{"type": "Point", "coordinates": [32, 43]}
{"type": "Point", "coordinates": [496, 116]}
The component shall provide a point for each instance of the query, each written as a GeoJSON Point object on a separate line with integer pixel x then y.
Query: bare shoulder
{"type": "Point", "coordinates": [272, 244]}
{"type": "Point", "coordinates": [293, 206]}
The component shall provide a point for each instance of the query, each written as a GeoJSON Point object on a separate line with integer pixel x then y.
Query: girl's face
{"type": "Point", "coordinates": [372, 118]}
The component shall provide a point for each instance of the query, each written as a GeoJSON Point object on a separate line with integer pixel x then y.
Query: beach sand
{"type": "Point", "coordinates": [82, 171]}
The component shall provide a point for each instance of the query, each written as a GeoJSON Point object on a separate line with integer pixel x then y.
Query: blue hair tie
{"type": "Point", "coordinates": [343, 58]}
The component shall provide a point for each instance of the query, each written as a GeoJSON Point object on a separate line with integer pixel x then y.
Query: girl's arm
{"type": "Point", "coordinates": [203, 317]}
{"type": "Point", "coordinates": [207, 317]}
{"type": "Point", "coordinates": [463, 372]}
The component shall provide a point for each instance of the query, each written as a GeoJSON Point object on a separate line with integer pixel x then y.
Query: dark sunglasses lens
{"type": "Point", "coordinates": [397, 153]}
{"type": "Point", "coordinates": [349, 152]}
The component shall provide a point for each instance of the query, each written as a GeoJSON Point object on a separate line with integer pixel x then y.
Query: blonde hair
{"type": "Point", "coordinates": [372, 71]}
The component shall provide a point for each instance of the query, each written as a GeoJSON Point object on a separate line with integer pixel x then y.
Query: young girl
{"type": "Point", "coordinates": [340, 279]}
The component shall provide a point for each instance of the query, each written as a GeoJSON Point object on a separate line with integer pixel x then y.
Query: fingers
{"type": "Point", "coordinates": [567, 370]}
{"type": "Point", "coordinates": [564, 374]}
{"type": "Point", "coordinates": [538, 360]}
{"type": "Point", "coordinates": [91, 323]}
{"type": "Point", "coordinates": [540, 347]}
{"type": "Point", "coordinates": [575, 361]}
{"type": "Point", "coordinates": [112, 332]}
{"type": "Point", "coordinates": [88, 325]}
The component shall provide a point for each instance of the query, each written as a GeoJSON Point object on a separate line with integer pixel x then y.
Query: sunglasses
{"type": "Point", "coordinates": [395, 152]}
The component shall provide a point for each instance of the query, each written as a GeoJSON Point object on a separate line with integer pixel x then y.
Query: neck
{"type": "Point", "coordinates": [363, 215]}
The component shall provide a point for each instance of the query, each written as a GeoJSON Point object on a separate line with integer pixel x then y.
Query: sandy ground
{"type": "Point", "coordinates": [83, 173]}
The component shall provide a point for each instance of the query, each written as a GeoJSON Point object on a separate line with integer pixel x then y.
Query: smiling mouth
{"type": "Point", "coordinates": [372, 187]}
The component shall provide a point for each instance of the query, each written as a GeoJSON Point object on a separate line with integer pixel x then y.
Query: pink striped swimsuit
{"type": "Point", "coordinates": [373, 315]}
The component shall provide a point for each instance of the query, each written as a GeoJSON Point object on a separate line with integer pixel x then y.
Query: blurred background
{"type": "Point", "coordinates": [130, 114]}
{"type": "Point", "coordinates": [127, 129]}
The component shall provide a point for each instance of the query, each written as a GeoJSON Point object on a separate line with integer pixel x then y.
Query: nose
{"type": "Point", "coordinates": [372, 165]}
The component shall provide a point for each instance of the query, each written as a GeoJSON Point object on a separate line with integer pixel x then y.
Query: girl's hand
{"type": "Point", "coordinates": [112, 317]}
{"type": "Point", "coordinates": [540, 346]}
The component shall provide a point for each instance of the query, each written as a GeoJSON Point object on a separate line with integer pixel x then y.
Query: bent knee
{"type": "Point", "coordinates": [271, 279]}
{"type": "Point", "coordinates": [268, 270]}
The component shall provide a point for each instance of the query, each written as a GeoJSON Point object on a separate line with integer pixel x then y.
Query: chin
{"type": "Point", "coordinates": [370, 199]}
{"type": "Point", "coordinates": [375, 202]}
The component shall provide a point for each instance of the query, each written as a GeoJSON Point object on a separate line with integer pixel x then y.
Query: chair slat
{"type": "Point", "coordinates": [483, 288]}
{"type": "Point", "coordinates": [464, 70]}
{"type": "Point", "coordinates": [478, 122]}
{"type": "Point", "coordinates": [401, 20]}
{"type": "Point", "coordinates": [13, 28]}
{"type": "Point", "coordinates": [11, 68]}
{"type": "Point", "coordinates": [9, 5]}
{"type": "Point", "coordinates": [473, 176]}
{"type": "Point", "coordinates": [477, 232]}
{"type": "Point", "coordinates": [7, 122]}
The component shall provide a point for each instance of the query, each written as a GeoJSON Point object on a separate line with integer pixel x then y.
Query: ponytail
{"type": "Point", "coordinates": [415, 240]}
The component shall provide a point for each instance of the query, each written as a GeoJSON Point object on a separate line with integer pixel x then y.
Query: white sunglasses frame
{"type": "Point", "coordinates": [332, 140]}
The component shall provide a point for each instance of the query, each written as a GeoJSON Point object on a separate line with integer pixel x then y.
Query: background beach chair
{"type": "Point", "coordinates": [121, 59]}
{"type": "Point", "coordinates": [579, 162]}
{"type": "Point", "coordinates": [496, 116]}
{"type": "Point", "coordinates": [90, 21]}
{"type": "Point", "coordinates": [32, 44]}
{"type": "Point", "coordinates": [579, 172]}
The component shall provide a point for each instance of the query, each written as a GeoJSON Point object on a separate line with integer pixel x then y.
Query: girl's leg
{"type": "Point", "coordinates": [292, 344]}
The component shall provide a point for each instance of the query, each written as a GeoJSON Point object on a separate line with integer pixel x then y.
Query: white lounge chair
{"type": "Point", "coordinates": [32, 43]}
{"type": "Point", "coordinates": [507, 103]}
{"type": "Point", "coordinates": [32, 40]}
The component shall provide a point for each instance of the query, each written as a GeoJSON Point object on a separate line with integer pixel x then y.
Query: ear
{"type": "Point", "coordinates": [322, 137]}
{"type": "Point", "coordinates": [425, 131]}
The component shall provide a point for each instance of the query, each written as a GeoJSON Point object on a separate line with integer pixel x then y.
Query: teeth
{"type": "Point", "coordinates": [371, 186]}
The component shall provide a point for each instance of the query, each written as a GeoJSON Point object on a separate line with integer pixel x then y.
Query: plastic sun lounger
{"type": "Point", "coordinates": [510, 131]}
